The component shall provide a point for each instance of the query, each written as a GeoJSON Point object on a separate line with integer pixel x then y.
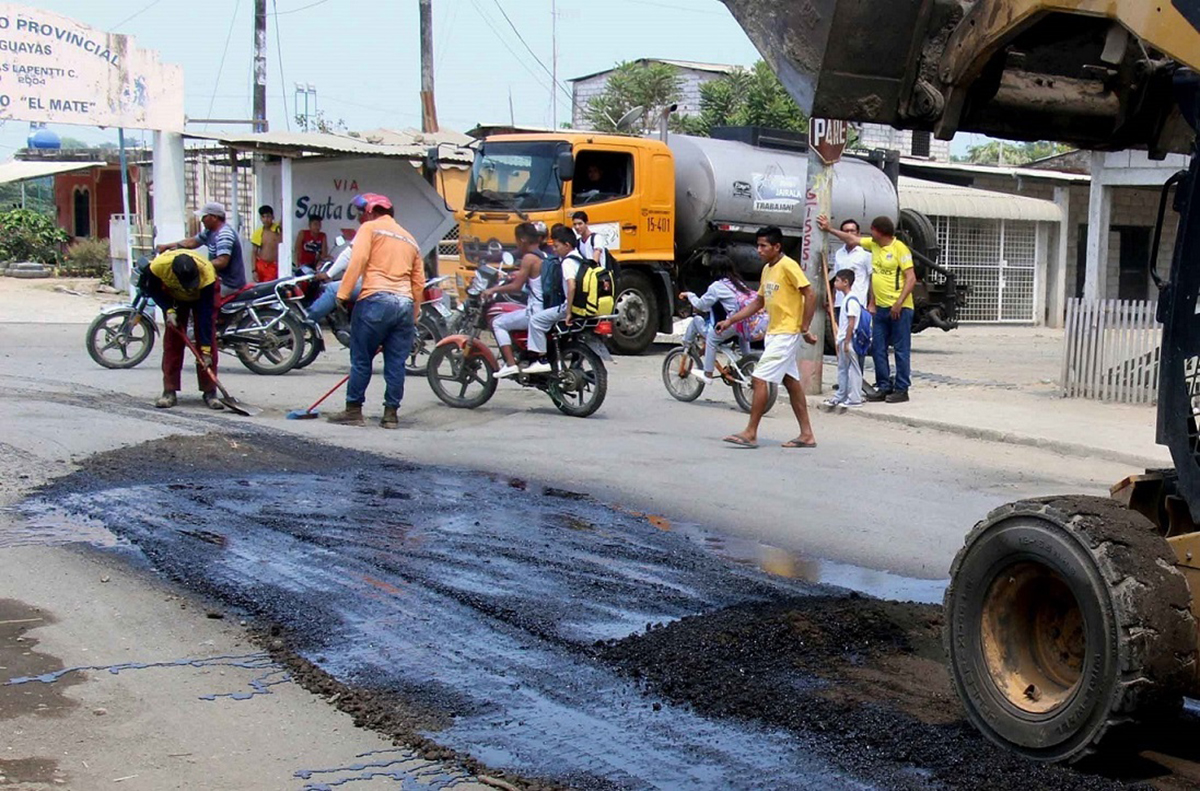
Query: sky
{"type": "Point", "coordinates": [363, 58]}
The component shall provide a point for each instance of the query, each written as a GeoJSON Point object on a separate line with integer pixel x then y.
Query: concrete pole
{"type": "Point", "coordinates": [125, 208]}
{"type": "Point", "coordinates": [235, 213]}
{"type": "Point", "coordinates": [260, 66]}
{"type": "Point", "coordinates": [1056, 278]}
{"type": "Point", "coordinates": [1099, 225]}
{"type": "Point", "coordinates": [170, 200]}
{"type": "Point", "coordinates": [286, 219]}
{"type": "Point", "coordinates": [813, 252]}
{"type": "Point", "coordinates": [429, 122]}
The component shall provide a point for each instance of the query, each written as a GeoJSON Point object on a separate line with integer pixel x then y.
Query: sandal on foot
{"type": "Point", "coordinates": [796, 443]}
{"type": "Point", "coordinates": [740, 442]}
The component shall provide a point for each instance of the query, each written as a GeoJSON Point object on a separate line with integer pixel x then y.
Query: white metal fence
{"type": "Point", "coordinates": [1112, 351]}
{"type": "Point", "coordinates": [998, 260]}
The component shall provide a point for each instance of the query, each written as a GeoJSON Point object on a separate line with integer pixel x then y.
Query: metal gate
{"type": "Point", "coordinates": [998, 260]}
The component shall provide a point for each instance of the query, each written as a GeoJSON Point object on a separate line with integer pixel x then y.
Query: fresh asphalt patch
{"type": "Point", "coordinates": [503, 624]}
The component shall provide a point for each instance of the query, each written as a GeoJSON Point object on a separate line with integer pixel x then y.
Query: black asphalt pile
{"type": "Point", "coordinates": [865, 674]}
{"type": "Point", "coordinates": [499, 622]}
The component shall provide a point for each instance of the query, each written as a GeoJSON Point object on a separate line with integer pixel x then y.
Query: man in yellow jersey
{"type": "Point", "coordinates": [182, 283]}
{"type": "Point", "coordinates": [890, 304]}
{"type": "Point", "coordinates": [790, 304]}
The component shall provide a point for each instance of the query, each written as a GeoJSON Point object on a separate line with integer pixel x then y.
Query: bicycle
{"type": "Point", "coordinates": [736, 372]}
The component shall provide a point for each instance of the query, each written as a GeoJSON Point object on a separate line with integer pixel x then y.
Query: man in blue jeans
{"type": "Point", "coordinates": [388, 260]}
{"type": "Point", "coordinates": [890, 304]}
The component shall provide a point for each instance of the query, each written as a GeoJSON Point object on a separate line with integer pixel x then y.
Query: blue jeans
{"type": "Point", "coordinates": [897, 333]}
{"type": "Point", "coordinates": [381, 320]}
{"type": "Point", "coordinates": [326, 301]}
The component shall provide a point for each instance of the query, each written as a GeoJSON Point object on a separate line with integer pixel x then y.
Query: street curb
{"type": "Point", "coordinates": [1005, 437]}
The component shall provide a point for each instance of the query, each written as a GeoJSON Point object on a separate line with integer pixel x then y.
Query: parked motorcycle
{"type": "Point", "coordinates": [432, 325]}
{"type": "Point", "coordinates": [462, 368]}
{"type": "Point", "coordinates": [256, 323]}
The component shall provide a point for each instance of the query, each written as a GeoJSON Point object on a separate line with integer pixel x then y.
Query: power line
{"type": "Point", "coordinates": [224, 52]}
{"type": "Point", "coordinates": [521, 38]}
{"type": "Point", "coordinates": [287, 119]}
{"type": "Point", "coordinates": [136, 14]}
{"type": "Point", "coordinates": [277, 12]}
{"type": "Point", "coordinates": [536, 77]}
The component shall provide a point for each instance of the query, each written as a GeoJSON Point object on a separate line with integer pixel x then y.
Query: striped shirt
{"type": "Point", "coordinates": [225, 241]}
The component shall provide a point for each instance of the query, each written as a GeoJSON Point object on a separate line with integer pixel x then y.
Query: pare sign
{"type": "Point", "coordinates": [828, 138]}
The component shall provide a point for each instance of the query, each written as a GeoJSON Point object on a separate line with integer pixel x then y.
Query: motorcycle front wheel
{"type": "Point", "coordinates": [425, 338]}
{"type": "Point", "coordinates": [312, 345]}
{"type": "Point", "coordinates": [122, 339]}
{"type": "Point", "coordinates": [279, 344]}
{"type": "Point", "coordinates": [582, 382]}
{"type": "Point", "coordinates": [460, 377]}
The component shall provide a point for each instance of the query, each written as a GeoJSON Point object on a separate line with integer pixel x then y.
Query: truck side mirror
{"type": "Point", "coordinates": [566, 165]}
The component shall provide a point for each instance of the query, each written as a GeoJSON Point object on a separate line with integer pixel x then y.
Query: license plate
{"type": "Point", "coordinates": [442, 310]}
{"type": "Point", "coordinates": [597, 345]}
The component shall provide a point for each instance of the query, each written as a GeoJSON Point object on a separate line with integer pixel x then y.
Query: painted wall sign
{"type": "Point", "coordinates": [777, 194]}
{"type": "Point", "coordinates": [56, 70]}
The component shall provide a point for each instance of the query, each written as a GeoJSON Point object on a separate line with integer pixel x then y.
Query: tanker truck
{"type": "Point", "coordinates": [663, 207]}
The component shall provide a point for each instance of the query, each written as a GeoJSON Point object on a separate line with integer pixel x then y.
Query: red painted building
{"type": "Point", "coordinates": [86, 199]}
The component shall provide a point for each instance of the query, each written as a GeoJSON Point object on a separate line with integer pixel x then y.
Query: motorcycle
{"type": "Point", "coordinates": [257, 324]}
{"type": "Point", "coordinates": [462, 368]}
{"type": "Point", "coordinates": [433, 325]}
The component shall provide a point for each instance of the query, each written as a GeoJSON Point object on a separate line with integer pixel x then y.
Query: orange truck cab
{"type": "Point", "coordinates": [626, 185]}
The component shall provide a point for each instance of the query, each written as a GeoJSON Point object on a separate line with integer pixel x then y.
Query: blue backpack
{"type": "Point", "coordinates": [862, 329]}
{"type": "Point", "coordinates": [552, 287]}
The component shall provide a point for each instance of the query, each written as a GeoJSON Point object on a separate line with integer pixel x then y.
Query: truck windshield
{"type": "Point", "coordinates": [515, 176]}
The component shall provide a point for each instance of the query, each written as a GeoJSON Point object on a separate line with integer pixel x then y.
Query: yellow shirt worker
{"type": "Point", "coordinates": [889, 262]}
{"type": "Point", "coordinates": [788, 297]}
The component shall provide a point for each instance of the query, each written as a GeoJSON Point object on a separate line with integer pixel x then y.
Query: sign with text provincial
{"type": "Point", "coordinates": [55, 70]}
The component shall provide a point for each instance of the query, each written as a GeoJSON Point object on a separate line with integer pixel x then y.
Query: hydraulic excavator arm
{"type": "Point", "coordinates": [1095, 74]}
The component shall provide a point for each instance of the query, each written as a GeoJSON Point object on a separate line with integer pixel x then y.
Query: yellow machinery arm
{"type": "Point", "coordinates": [1096, 74]}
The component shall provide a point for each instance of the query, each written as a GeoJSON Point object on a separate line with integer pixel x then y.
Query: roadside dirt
{"type": "Point", "coordinates": [482, 620]}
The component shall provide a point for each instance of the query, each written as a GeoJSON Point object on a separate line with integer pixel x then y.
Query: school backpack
{"type": "Point", "coordinates": [552, 285]}
{"type": "Point", "coordinates": [753, 328]}
{"type": "Point", "coordinates": [595, 289]}
{"type": "Point", "coordinates": [862, 329]}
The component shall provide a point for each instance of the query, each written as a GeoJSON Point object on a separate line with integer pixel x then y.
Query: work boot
{"type": "Point", "coordinates": [353, 416]}
{"type": "Point", "coordinates": [212, 402]}
{"type": "Point", "coordinates": [390, 419]}
{"type": "Point", "coordinates": [166, 400]}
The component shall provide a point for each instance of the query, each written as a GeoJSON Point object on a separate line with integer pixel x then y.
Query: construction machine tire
{"type": "Point", "coordinates": [1067, 623]}
{"type": "Point", "coordinates": [918, 232]}
{"type": "Point", "coordinates": [637, 313]}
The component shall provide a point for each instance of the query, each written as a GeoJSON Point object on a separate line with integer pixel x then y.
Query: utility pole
{"type": "Point", "coordinates": [429, 122]}
{"type": "Point", "coordinates": [260, 65]}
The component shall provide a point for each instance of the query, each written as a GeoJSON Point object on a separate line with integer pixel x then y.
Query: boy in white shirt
{"type": "Point", "coordinates": [850, 377]}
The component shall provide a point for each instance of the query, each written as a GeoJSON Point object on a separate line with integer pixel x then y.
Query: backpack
{"type": "Point", "coordinates": [552, 285]}
{"type": "Point", "coordinates": [595, 289]}
{"type": "Point", "coordinates": [862, 329]}
{"type": "Point", "coordinates": [753, 328]}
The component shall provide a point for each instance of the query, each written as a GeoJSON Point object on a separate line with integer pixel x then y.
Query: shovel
{"type": "Point", "coordinates": [231, 403]}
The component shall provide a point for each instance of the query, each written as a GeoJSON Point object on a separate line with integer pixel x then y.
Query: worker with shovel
{"type": "Point", "coordinates": [182, 283]}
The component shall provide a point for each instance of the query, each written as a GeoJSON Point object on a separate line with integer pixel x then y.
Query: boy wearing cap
{"type": "Point", "coordinates": [182, 284]}
{"type": "Point", "coordinates": [388, 260]}
{"type": "Point", "coordinates": [224, 247]}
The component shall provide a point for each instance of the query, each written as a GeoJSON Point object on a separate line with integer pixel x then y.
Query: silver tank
{"type": "Point", "coordinates": [724, 181]}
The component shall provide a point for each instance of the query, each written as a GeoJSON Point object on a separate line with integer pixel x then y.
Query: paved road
{"type": "Point", "coordinates": [879, 496]}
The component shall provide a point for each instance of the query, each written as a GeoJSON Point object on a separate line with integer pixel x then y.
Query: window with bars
{"type": "Point", "coordinates": [997, 259]}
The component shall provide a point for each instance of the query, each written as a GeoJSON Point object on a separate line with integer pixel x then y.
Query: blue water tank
{"type": "Point", "coordinates": [44, 140]}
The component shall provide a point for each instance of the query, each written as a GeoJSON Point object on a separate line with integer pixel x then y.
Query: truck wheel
{"type": "Point", "coordinates": [918, 232]}
{"type": "Point", "coordinates": [637, 313]}
{"type": "Point", "coordinates": [1066, 621]}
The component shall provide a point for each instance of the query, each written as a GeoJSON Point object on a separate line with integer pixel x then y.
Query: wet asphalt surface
{"type": "Point", "coordinates": [564, 642]}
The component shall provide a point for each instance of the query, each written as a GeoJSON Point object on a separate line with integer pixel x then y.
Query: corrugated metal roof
{"type": "Point", "coordinates": [24, 171]}
{"type": "Point", "coordinates": [721, 68]}
{"type": "Point", "coordinates": [993, 170]}
{"type": "Point", "coordinates": [382, 143]}
{"type": "Point", "coordinates": [947, 200]}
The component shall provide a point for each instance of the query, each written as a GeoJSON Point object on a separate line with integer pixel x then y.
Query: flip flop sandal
{"type": "Point", "coordinates": [791, 443]}
{"type": "Point", "coordinates": [740, 442]}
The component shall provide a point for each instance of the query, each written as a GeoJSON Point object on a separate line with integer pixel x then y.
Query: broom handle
{"type": "Point", "coordinates": [332, 390]}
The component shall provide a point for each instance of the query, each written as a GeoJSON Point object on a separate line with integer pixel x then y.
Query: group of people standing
{"type": "Point", "coordinates": [310, 248]}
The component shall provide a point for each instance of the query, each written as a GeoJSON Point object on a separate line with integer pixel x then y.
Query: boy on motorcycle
{"type": "Point", "coordinates": [557, 296]}
{"type": "Point", "coordinates": [720, 301]}
{"type": "Point", "coordinates": [529, 279]}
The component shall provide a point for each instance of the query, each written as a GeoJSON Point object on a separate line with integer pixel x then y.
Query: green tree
{"type": "Point", "coordinates": [999, 152]}
{"type": "Point", "coordinates": [651, 86]}
{"type": "Point", "coordinates": [319, 122]}
{"type": "Point", "coordinates": [746, 97]}
{"type": "Point", "coordinates": [27, 235]}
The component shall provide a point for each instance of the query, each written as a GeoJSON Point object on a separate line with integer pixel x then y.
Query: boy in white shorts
{"type": "Point", "coordinates": [790, 303]}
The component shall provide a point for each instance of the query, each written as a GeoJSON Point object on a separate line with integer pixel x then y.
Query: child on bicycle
{"type": "Point", "coordinates": [722, 299]}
